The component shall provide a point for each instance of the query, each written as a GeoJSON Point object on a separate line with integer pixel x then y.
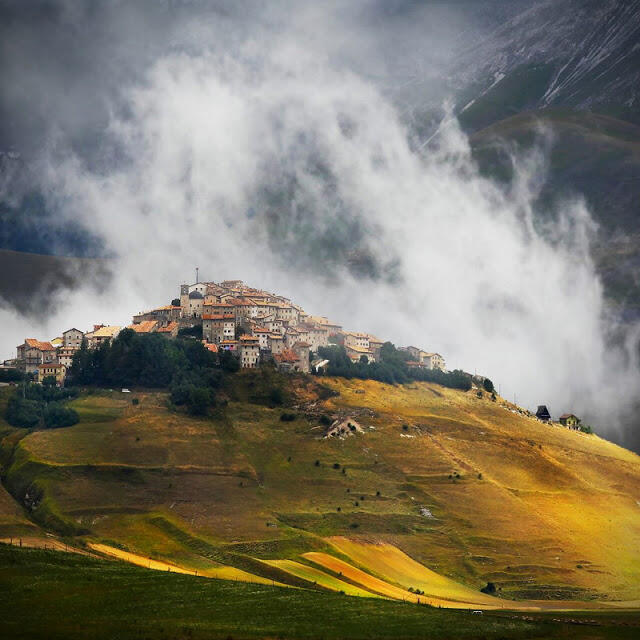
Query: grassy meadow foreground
{"type": "Point", "coordinates": [80, 597]}
{"type": "Point", "coordinates": [426, 496]}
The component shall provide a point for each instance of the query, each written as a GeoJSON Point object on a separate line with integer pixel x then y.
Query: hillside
{"type": "Point", "coordinates": [435, 490]}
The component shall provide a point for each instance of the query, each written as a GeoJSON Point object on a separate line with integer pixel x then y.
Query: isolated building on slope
{"type": "Point", "coordinates": [569, 420]}
{"type": "Point", "coordinates": [543, 413]}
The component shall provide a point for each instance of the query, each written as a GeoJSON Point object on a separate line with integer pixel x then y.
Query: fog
{"type": "Point", "coordinates": [273, 145]}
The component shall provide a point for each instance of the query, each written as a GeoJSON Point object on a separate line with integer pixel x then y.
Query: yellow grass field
{"type": "Point", "coordinates": [320, 577]}
{"type": "Point", "coordinates": [221, 573]}
{"type": "Point", "coordinates": [390, 563]}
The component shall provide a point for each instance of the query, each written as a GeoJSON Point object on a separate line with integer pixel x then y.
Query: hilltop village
{"type": "Point", "coordinates": [254, 325]}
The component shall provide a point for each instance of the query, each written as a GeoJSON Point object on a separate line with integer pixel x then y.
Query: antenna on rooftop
{"type": "Point", "coordinates": [197, 270]}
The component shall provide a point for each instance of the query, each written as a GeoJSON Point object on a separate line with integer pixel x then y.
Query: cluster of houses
{"type": "Point", "coordinates": [253, 324]}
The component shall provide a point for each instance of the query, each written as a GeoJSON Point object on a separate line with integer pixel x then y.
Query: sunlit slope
{"type": "Point", "coordinates": [394, 565]}
{"type": "Point", "coordinates": [459, 484]}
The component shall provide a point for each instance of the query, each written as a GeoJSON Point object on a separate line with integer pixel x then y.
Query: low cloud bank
{"type": "Point", "coordinates": [264, 159]}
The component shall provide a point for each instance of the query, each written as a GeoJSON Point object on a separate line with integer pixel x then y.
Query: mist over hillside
{"type": "Point", "coordinates": [317, 151]}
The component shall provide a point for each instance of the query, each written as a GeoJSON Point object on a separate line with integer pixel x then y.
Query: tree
{"type": "Point", "coordinates": [24, 413]}
{"type": "Point", "coordinates": [175, 302]}
{"type": "Point", "coordinates": [488, 385]}
{"type": "Point", "coordinates": [56, 416]}
{"type": "Point", "coordinates": [199, 401]}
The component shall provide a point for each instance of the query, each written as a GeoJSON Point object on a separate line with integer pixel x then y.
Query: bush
{"type": "Point", "coordinates": [57, 416]}
{"type": "Point", "coordinates": [287, 417]}
{"type": "Point", "coordinates": [23, 413]}
{"type": "Point", "coordinates": [325, 420]}
{"type": "Point", "coordinates": [489, 589]}
{"type": "Point", "coordinates": [11, 375]}
{"type": "Point", "coordinates": [276, 396]}
{"type": "Point", "coordinates": [199, 401]}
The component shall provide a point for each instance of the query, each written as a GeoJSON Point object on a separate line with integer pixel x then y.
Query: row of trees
{"type": "Point", "coordinates": [190, 371]}
{"type": "Point", "coordinates": [391, 368]}
{"type": "Point", "coordinates": [35, 405]}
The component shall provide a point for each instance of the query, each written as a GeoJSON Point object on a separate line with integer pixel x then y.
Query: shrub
{"type": "Point", "coordinates": [23, 413]}
{"type": "Point", "coordinates": [489, 589]}
{"type": "Point", "coordinates": [56, 416]}
{"type": "Point", "coordinates": [276, 396]}
{"type": "Point", "coordinates": [11, 375]}
{"type": "Point", "coordinates": [135, 401]}
{"type": "Point", "coordinates": [199, 401]}
{"type": "Point", "coordinates": [317, 463]}
{"type": "Point", "coordinates": [325, 420]}
{"type": "Point", "coordinates": [488, 385]}
{"type": "Point", "coordinates": [336, 465]}
{"type": "Point", "coordinates": [287, 417]}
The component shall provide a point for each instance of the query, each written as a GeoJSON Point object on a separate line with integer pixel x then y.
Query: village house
{"type": "Point", "coordinates": [72, 338]}
{"type": "Point", "coordinates": [52, 369]}
{"type": "Point", "coordinates": [218, 327]}
{"type": "Point", "coordinates": [228, 345]}
{"type": "Point", "coordinates": [249, 352]}
{"type": "Point", "coordinates": [186, 290]}
{"type": "Point", "coordinates": [219, 309]}
{"type": "Point", "coordinates": [65, 355]}
{"type": "Point", "coordinates": [355, 339]}
{"type": "Point", "coordinates": [355, 354]}
{"type": "Point", "coordinates": [301, 349]}
{"type": "Point", "coordinates": [414, 352]}
{"type": "Point", "coordinates": [32, 353]}
{"type": "Point", "coordinates": [101, 334]}
{"type": "Point", "coordinates": [432, 360]}
{"type": "Point", "coordinates": [569, 420]}
{"type": "Point", "coordinates": [276, 343]}
{"type": "Point", "coordinates": [194, 307]}
{"type": "Point", "coordinates": [170, 331]}
{"type": "Point", "coordinates": [316, 335]}
{"type": "Point", "coordinates": [162, 315]}
{"type": "Point", "coordinates": [375, 345]}
{"type": "Point", "coordinates": [263, 337]}
{"type": "Point", "coordinates": [146, 326]}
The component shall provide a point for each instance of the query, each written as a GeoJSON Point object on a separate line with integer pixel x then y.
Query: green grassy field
{"type": "Point", "coordinates": [52, 595]}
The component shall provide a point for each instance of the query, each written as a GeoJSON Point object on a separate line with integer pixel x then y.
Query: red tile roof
{"type": "Point", "coordinates": [37, 344]}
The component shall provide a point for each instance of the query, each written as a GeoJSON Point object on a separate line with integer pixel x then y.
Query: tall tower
{"type": "Point", "coordinates": [184, 296]}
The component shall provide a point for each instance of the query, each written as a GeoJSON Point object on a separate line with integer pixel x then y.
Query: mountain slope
{"type": "Point", "coordinates": [571, 53]}
{"type": "Point", "coordinates": [464, 486]}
